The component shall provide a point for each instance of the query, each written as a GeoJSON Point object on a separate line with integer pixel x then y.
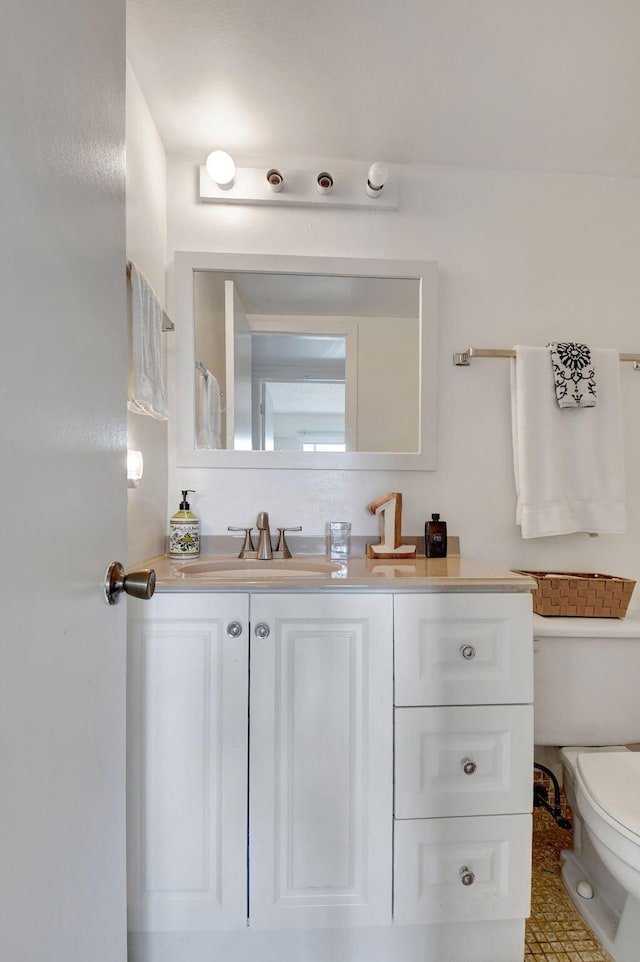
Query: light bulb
{"type": "Point", "coordinates": [135, 467]}
{"type": "Point", "coordinates": [376, 179]}
{"type": "Point", "coordinates": [221, 168]}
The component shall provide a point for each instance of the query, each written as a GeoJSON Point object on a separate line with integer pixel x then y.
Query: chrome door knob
{"type": "Point", "coordinates": [234, 629]}
{"type": "Point", "coordinates": [262, 630]}
{"type": "Point", "coordinates": [468, 766]}
{"type": "Point", "coordinates": [468, 652]}
{"type": "Point", "coordinates": [466, 876]}
{"type": "Point", "coordinates": [138, 584]}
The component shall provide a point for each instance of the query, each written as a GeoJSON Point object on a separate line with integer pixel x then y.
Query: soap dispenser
{"type": "Point", "coordinates": [184, 531]}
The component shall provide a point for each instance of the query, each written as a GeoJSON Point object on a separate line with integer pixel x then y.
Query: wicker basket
{"type": "Point", "coordinates": [581, 595]}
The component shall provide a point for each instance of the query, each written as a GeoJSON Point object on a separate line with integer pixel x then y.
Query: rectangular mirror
{"type": "Point", "coordinates": [305, 362]}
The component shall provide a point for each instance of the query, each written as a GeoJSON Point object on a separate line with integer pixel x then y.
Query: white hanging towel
{"type": "Point", "coordinates": [568, 462]}
{"type": "Point", "coordinates": [208, 411]}
{"type": "Point", "coordinates": [146, 388]}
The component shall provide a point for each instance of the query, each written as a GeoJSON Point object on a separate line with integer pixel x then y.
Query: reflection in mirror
{"type": "Point", "coordinates": [310, 363]}
{"type": "Point", "coordinates": [298, 397]}
{"type": "Point", "coordinates": [305, 362]}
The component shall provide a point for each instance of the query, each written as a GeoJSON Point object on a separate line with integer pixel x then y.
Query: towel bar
{"type": "Point", "coordinates": [463, 359]}
{"type": "Point", "coordinates": [200, 366]}
{"type": "Point", "coordinates": [167, 323]}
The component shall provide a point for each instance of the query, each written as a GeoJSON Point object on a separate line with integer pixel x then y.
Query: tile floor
{"type": "Point", "coordinates": [556, 931]}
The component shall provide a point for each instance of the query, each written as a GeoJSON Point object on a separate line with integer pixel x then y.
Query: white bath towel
{"type": "Point", "coordinates": [208, 411]}
{"type": "Point", "coordinates": [568, 462]}
{"type": "Point", "coordinates": [146, 388]}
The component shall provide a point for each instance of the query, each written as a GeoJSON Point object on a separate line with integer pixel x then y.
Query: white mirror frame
{"type": "Point", "coordinates": [425, 272]}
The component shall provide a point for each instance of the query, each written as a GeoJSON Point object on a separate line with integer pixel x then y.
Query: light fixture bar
{"type": "Point", "coordinates": [300, 189]}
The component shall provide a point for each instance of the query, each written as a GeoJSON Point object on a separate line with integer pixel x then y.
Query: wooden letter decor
{"type": "Point", "coordinates": [389, 510]}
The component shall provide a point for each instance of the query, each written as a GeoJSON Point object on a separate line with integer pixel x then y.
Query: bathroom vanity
{"type": "Point", "coordinates": [332, 765]}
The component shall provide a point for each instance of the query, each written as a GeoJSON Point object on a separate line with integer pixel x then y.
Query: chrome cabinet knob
{"type": "Point", "coordinates": [468, 766]}
{"type": "Point", "coordinates": [468, 652]}
{"type": "Point", "coordinates": [234, 629]}
{"type": "Point", "coordinates": [138, 584]}
{"type": "Point", "coordinates": [262, 630]}
{"type": "Point", "coordinates": [466, 876]}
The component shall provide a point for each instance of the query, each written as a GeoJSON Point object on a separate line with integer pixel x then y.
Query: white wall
{"type": "Point", "coordinates": [524, 258]}
{"type": "Point", "coordinates": [388, 353]}
{"type": "Point", "coordinates": [146, 245]}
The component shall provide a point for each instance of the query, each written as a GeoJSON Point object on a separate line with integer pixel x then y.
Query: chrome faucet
{"type": "Point", "coordinates": [265, 548]}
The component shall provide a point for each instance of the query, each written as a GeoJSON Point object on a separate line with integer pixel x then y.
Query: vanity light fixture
{"type": "Point", "coordinates": [340, 188]}
{"type": "Point", "coordinates": [135, 468]}
{"type": "Point", "coordinates": [376, 178]}
{"type": "Point", "coordinates": [221, 168]}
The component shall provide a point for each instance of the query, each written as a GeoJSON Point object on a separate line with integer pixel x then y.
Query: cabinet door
{"type": "Point", "coordinates": [320, 791]}
{"type": "Point", "coordinates": [463, 649]}
{"type": "Point", "coordinates": [187, 762]}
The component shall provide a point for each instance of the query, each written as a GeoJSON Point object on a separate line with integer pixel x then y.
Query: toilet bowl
{"type": "Point", "coordinates": [585, 694]}
{"type": "Point", "coordinates": [603, 790]}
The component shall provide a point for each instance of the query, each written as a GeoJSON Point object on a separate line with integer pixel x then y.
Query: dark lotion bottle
{"type": "Point", "coordinates": [435, 537]}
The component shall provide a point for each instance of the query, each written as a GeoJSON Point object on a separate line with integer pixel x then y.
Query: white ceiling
{"type": "Point", "coordinates": [313, 397]}
{"type": "Point", "coordinates": [550, 85]}
{"type": "Point", "coordinates": [327, 295]}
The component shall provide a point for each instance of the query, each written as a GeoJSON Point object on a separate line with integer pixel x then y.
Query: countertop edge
{"type": "Point", "coordinates": [362, 574]}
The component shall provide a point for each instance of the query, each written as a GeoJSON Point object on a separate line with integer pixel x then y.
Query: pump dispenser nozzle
{"type": "Point", "coordinates": [184, 504]}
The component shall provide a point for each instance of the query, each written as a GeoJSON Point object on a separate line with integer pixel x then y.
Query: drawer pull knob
{"type": "Point", "coordinates": [468, 766]}
{"type": "Point", "coordinates": [466, 876]}
{"type": "Point", "coordinates": [468, 652]}
{"type": "Point", "coordinates": [262, 630]}
{"type": "Point", "coordinates": [234, 629]}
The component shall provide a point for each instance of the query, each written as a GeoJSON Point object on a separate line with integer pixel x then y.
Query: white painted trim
{"type": "Point", "coordinates": [426, 272]}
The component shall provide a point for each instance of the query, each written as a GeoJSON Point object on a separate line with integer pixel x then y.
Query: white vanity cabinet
{"type": "Point", "coordinates": [330, 775]}
{"type": "Point", "coordinates": [313, 721]}
{"type": "Point", "coordinates": [463, 757]}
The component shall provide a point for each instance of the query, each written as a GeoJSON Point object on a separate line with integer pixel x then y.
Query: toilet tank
{"type": "Point", "coordinates": [586, 680]}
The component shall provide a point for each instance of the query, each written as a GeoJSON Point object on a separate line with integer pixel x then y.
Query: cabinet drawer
{"type": "Point", "coordinates": [463, 649]}
{"type": "Point", "coordinates": [463, 761]}
{"type": "Point", "coordinates": [434, 857]}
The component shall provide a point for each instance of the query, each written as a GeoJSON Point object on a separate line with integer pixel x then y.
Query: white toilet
{"type": "Point", "coordinates": [587, 693]}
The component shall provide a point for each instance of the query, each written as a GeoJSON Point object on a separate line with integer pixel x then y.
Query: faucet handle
{"type": "Point", "coordinates": [247, 544]}
{"type": "Point", "coordinates": [282, 545]}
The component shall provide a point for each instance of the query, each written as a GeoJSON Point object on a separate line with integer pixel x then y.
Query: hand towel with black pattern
{"type": "Point", "coordinates": [574, 375]}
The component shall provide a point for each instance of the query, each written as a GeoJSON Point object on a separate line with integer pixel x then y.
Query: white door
{"type": "Point", "coordinates": [62, 482]}
{"type": "Point", "coordinates": [238, 371]}
{"type": "Point", "coordinates": [320, 760]}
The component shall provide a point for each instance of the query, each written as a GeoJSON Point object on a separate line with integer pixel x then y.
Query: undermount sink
{"type": "Point", "coordinates": [252, 570]}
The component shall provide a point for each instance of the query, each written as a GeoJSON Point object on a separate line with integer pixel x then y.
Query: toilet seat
{"type": "Point", "coordinates": [612, 781]}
